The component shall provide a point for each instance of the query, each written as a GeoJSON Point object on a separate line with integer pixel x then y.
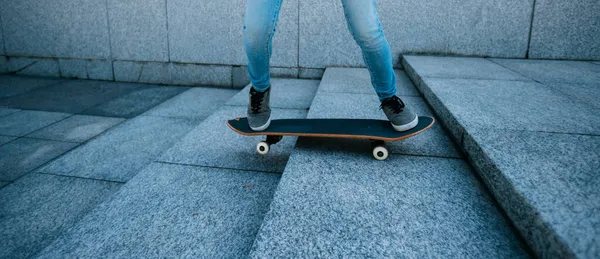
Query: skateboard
{"type": "Point", "coordinates": [378, 131]}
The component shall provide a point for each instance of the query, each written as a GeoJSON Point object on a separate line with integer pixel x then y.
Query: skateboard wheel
{"type": "Point", "coordinates": [262, 147]}
{"type": "Point", "coordinates": [380, 153]}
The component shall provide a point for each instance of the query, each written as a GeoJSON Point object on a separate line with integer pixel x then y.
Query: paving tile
{"type": "Point", "coordinates": [481, 28]}
{"type": "Point", "coordinates": [565, 30]}
{"type": "Point", "coordinates": [285, 93]}
{"type": "Point", "coordinates": [34, 66]}
{"type": "Point", "coordinates": [6, 139]}
{"type": "Point", "coordinates": [73, 68]}
{"type": "Point", "coordinates": [198, 74]}
{"type": "Point", "coordinates": [136, 102]}
{"type": "Point", "coordinates": [213, 32]}
{"type": "Point", "coordinates": [31, 28]}
{"type": "Point", "coordinates": [358, 80]}
{"type": "Point", "coordinates": [138, 30]}
{"type": "Point", "coordinates": [433, 142]}
{"type": "Point", "coordinates": [11, 85]}
{"type": "Point", "coordinates": [86, 69]}
{"type": "Point", "coordinates": [100, 70]}
{"type": "Point", "coordinates": [72, 96]}
{"type": "Point", "coordinates": [22, 123]}
{"type": "Point", "coordinates": [547, 183]}
{"type": "Point", "coordinates": [2, 184]}
{"type": "Point", "coordinates": [121, 152]}
{"type": "Point", "coordinates": [6, 111]}
{"type": "Point", "coordinates": [195, 103]}
{"type": "Point", "coordinates": [212, 143]}
{"type": "Point", "coordinates": [239, 77]}
{"type": "Point", "coordinates": [587, 93]}
{"type": "Point", "coordinates": [127, 71]}
{"type": "Point", "coordinates": [461, 67]}
{"type": "Point", "coordinates": [38, 208]}
{"type": "Point", "coordinates": [195, 212]}
{"type": "Point", "coordinates": [77, 128]}
{"type": "Point", "coordinates": [554, 71]}
{"type": "Point", "coordinates": [23, 155]}
{"type": "Point", "coordinates": [513, 105]}
{"type": "Point", "coordinates": [284, 72]}
{"type": "Point", "coordinates": [3, 64]}
{"type": "Point", "coordinates": [340, 204]}
{"type": "Point", "coordinates": [311, 73]}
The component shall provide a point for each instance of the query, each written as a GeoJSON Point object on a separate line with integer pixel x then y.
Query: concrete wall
{"type": "Point", "coordinates": [196, 42]}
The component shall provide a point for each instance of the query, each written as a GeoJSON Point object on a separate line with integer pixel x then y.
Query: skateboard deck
{"type": "Point", "coordinates": [378, 131]}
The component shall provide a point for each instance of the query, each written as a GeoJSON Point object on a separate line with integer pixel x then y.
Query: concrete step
{"type": "Point", "coordinates": [335, 200]}
{"type": "Point", "coordinates": [531, 130]}
{"type": "Point", "coordinates": [206, 196]}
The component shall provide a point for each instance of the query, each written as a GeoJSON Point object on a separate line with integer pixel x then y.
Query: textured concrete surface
{"type": "Point", "coordinates": [547, 183]}
{"type": "Point", "coordinates": [22, 123]}
{"type": "Point", "coordinates": [358, 80]}
{"type": "Point", "coordinates": [127, 71]}
{"type": "Point", "coordinates": [195, 103]}
{"type": "Point", "coordinates": [213, 144]}
{"type": "Point", "coordinates": [22, 155]}
{"type": "Point", "coordinates": [461, 67]}
{"type": "Point", "coordinates": [513, 105]}
{"type": "Point", "coordinates": [77, 128]}
{"type": "Point", "coordinates": [566, 30]}
{"type": "Point", "coordinates": [7, 111]}
{"type": "Point", "coordinates": [196, 74]}
{"type": "Point", "coordinates": [482, 28]}
{"type": "Point", "coordinates": [554, 71]}
{"type": "Point", "coordinates": [195, 212]}
{"type": "Point", "coordinates": [6, 139]}
{"type": "Point", "coordinates": [34, 66]}
{"type": "Point", "coordinates": [433, 142]}
{"type": "Point", "coordinates": [335, 204]}
{"type": "Point", "coordinates": [587, 93]}
{"type": "Point", "coordinates": [3, 64]}
{"type": "Point", "coordinates": [31, 28]}
{"type": "Point", "coordinates": [138, 30]}
{"type": "Point", "coordinates": [136, 102]}
{"type": "Point", "coordinates": [2, 184]}
{"type": "Point", "coordinates": [285, 93]}
{"type": "Point", "coordinates": [72, 96]}
{"type": "Point", "coordinates": [311, 73]}
{"type": "Point", "coordinates": [73, 68]}
{"type": "Point", "coordinates": [121, 152]}
{"type": "Point", "coordinates": [100, 70]}
{"type": "Point", "coordinates": [37, 208]}
{"type": "Point", "coordinates": [191, 21]}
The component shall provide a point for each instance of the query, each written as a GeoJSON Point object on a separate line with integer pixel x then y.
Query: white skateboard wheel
{"type": "Point", "coordinates": [262, 147]}
{"type": "Point", "coordinates": [380, 153]}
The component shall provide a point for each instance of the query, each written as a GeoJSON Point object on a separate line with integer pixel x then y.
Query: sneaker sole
{"type": "Point", "coordinates": [407, 126]}
{"type": "Point", "coordinates": [263, 127]}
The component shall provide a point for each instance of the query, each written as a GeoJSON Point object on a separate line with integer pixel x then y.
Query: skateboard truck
{"type": "Point", "coordinates": [263, 147]}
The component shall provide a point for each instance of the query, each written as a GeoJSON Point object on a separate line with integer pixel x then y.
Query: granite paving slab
{"type": "Point", "coordinates": [172, 210]}
{"type": "Point", "coordinates": [6, 139]}
{"type": "Point", "coordinates": [2, 184]}
{"type": "Point", "coordinates": [337, 204]}
{"type": "Point", "coordinates": [548, 185]}
{"type": "Point", "coordinates": [135, 102]}
{"type": "Point", "coordinates": [7, 111]}
{"type": "Point", "coordinates": [11, 85]}
{"type": "Point", "coordinates": [433, 142]}
{"type": "Point", "coordinates": [121, 152]}
{"type": "Point", "coordinates": [77, 128]}
{"type": "Point", "coordinates": [72, 96]}
{"type": "Point", "coordinates": [22, 155]}
{"type": "Point", "coordinates": [461, 67]}
{"type": "Point", "coordinates": [285, 93]}
{"type": "Point", "coordinates": [22, 123]}
{"type": "Point", "coordinates": [37, 208]}
{"type": "Point", "coordinates": [214, 144]}
{"type": "Point", "coordinates": [195, 103]}
{"type": "Point", "coordinates": [587, 93]}
{"type": "Point", "coordinates": [513, 105]}
{"type": "Point", "coordinates": [358, 80]}
{"type": "Point", "coordinates": [554, 71]}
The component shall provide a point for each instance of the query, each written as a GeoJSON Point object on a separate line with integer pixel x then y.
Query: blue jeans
{"type": "Point", "coordinates": [362, 19]}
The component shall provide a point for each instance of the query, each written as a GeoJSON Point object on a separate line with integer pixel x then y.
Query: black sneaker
{"type": "Point", "coordinates": [259, 111]}
{"type": "Point", "coordinates": [401, 116]}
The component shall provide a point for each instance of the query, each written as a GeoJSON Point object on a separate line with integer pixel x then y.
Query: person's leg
{"type": "Point", "coordinates": [260, 22]}
{"type": "Point", "coordinates": [363, 22]}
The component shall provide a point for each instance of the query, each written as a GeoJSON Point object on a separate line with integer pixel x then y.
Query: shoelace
{"type": "Point", "coordinates": [256, 101]}
{"type": "Point", "coordinates": [394, 103]}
